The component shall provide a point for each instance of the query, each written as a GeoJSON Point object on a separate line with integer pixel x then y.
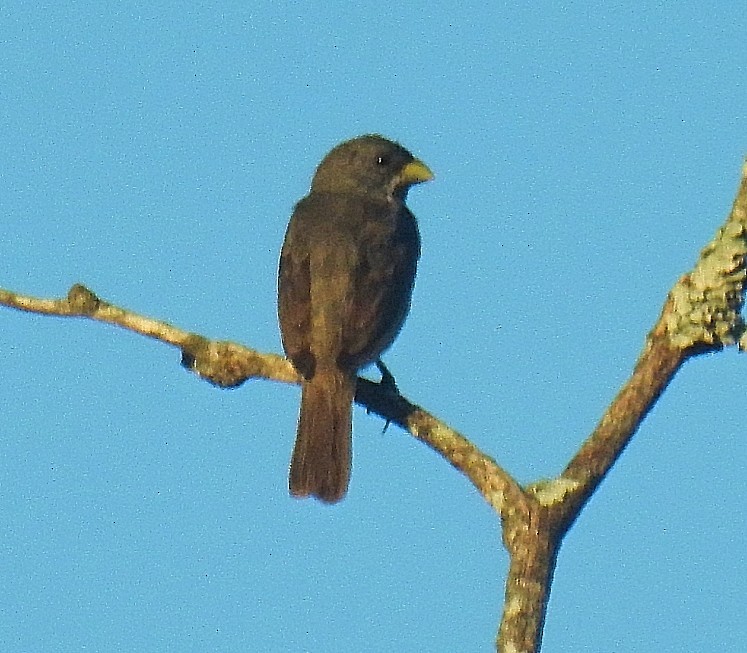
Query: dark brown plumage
{"type": "Point", "coordinates": [347, 269]}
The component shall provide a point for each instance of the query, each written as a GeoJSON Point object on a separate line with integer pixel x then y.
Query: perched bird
{"type": "Point", "coordinates": [347, 269]}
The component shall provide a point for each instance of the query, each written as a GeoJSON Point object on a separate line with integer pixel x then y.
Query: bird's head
{"type": "Point", "coordinates": [370, 164]}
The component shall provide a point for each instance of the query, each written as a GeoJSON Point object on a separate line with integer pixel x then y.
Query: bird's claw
{"type": "Point", "coordinates": [387, 378]}
{"type": "Point", "coordinates": [388, 383]}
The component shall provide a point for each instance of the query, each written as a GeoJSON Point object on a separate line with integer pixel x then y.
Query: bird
{"type": "Point", "coordinates": [345, 279]}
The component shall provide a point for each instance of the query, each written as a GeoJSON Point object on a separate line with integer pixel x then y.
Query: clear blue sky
{"type": "Point", "coordinates": [583, 156]}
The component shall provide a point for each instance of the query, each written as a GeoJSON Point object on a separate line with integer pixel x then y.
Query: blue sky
{"type": "Point", "coordinates": [583, 156]}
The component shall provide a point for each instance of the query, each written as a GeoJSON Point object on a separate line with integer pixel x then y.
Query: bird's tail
{"type": "Point", "coordinates": [320, 465]}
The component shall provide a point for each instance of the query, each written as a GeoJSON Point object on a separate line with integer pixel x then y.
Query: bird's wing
{"type": "Point", "coordinates": [383, 282]}
{"type": "Point", "coordinates": [294, 302]}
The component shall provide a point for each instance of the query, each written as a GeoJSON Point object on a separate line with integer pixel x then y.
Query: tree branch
{"type": "Point", "coordinates": [228, 364]}
{"type": "Point", "coordinates": [701, 314]}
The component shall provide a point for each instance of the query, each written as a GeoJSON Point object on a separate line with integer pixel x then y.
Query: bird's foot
{"type": "Point", "coordinates": [387, 378]}
{"type": "Point", "coordinates": [387, 383]}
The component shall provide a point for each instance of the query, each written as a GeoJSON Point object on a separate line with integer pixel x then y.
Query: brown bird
{"type": "Point", "coordinates": [347, 269]}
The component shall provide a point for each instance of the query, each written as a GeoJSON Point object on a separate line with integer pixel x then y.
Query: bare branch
{"type": "Point", "coordinates": [228, 364]}
{"type": "Point", "coordinates": [222, 363]}
{"type": "Point", "coordinates": [702, 313]}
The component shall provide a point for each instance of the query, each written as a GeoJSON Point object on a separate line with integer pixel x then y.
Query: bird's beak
{"type": "Point", "coordinates": [415, 172]}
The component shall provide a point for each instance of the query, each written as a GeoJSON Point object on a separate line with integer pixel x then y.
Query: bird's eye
{"type": "Point", "coordinates": [382, 160]}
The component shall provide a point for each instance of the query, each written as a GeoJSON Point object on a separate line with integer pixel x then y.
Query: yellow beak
{"type": "Point", "coordinates": [415, 172]}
